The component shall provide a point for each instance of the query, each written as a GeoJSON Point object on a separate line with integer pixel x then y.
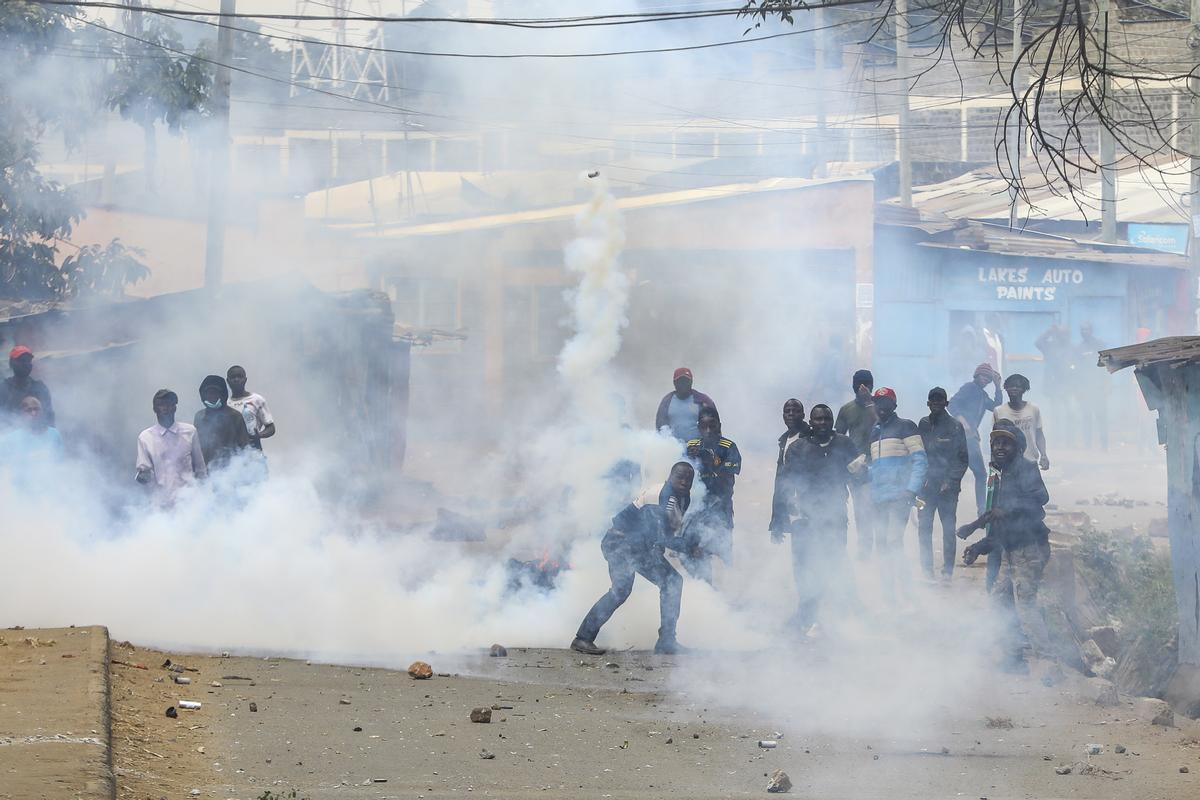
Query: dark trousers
{"type": "Point", "coordinates": [624, 562]}
{"type": "Point", "coordinates": [979, 470]}
{"type": "Point", "coordinates": [945, 505]}
{"type": "Point", "coordinates": [864, 517]}
{"type": "Point", "coordinates": [891, 519]}
{"type": "Point", "coordinates": [820, 569]}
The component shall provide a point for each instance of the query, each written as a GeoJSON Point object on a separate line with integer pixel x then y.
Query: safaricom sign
{"type": "Point", "coordinates": [1020, 283]}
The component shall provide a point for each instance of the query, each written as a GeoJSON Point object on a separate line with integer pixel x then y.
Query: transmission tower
{"type": "Point", "coordinates": [334, 66]}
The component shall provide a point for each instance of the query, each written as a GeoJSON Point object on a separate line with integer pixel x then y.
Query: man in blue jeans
{"type": "Point", "coordinates": [946, 449]}
{"type": "Point", "coordinates": [898, 465]}
{"type": "Point", "coordinates": [968, 406]}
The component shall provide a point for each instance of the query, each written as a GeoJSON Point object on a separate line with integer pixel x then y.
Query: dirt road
{"type": "Point", "coordinates": [569, 726]}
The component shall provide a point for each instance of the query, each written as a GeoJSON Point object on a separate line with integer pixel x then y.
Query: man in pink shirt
{"type": "Point", "coordinates": [168, 452]}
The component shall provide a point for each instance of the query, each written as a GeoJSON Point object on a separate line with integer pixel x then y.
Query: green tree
{"type": "Point", "coordinates": [156, 81]}
{"type": "Point", "coordinates": [39, 91]}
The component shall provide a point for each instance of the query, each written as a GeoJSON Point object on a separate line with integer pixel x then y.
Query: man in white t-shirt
{"type": "Point", "coordinates": [253, 407]}
{"type": "Point", "coordinates": [1026, 416]}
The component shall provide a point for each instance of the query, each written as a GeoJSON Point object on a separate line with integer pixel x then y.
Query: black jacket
{"type": "Point", "coordinates": [946, 449]}
{"type": "Point", "coordinates": [11, 396]}
{"type": "Point", "coordinates": [222, 430]}
{"type": "Point", "coordinates": [814, 482]}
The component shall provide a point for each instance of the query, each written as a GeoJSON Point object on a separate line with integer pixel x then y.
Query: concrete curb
{"type": "Point", "coordinates": [100, 691]}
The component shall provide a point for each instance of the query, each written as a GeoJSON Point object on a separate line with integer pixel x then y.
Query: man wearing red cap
{"type": "Point", "coordinates": [22, 385]}
{"type": "Point", "coordinates": [898, 466]}
{"type": "Point", "coordinates": [679, 410]}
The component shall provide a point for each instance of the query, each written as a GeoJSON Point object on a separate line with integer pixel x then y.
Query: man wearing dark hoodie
{"type": "Point", "coordinates": [1015, 524]}
{"type": "Point", "coordinates": [634, 545]}
{"type": "Point", "coordinates": [222, 430]}
{"type": "Point", "coordinates": [857, 419]}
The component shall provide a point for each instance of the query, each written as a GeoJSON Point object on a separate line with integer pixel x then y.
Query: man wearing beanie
{"type": "Point", "coordinates": [856, 419]}
{"type": "Point", "coordinates": [946, 450]}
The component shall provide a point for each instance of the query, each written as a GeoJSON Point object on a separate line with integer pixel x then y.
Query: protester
{"type": "Point", "coordinates": [856, 419]}
{"type": "Point", "coordinates": [816, 473]}
{"type": "Point", "coordinates": [795, 428]}
{"type": "Point", "coordinates": [168, 453]}
{"type": "Point", "coordinates": [22, 384]}
{"type": "Point", "coordinates": [945, 445]}
{"type": "Point", "coordinates": [634, 545]}
{"type": "Point", "coordinates": [1090, 388]}
{"type": "Point", "coordinates": [1026, 416]}
{"type": "Point", "coordinates": [30, 446]}
{"type": "Point", "coordinates": [897, 471]}
{"type": "Point", "coordinates": [222, 430]}
{"type": "Point", "coordinates": [252, 406]}
{"type": "Point", "coordinates": [710, 532]}
{"type": "Point", "coordinates": [968, 405]}
{"type": "Point", "coordinates": [1016, 525]}
{"type": "Point", "coordinates": [679, 411]}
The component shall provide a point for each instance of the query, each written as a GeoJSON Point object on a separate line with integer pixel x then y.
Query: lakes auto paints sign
{"type": "Point", "coordinates": [1029, 283]}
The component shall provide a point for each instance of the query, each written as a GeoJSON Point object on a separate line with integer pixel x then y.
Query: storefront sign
{"type": "Point", "coordinates": [1167, 238]}
{"type": "Point", "coordinates": [1028, 283]}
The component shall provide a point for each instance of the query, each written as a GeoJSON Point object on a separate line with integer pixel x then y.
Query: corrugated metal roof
{"type": "Point", "coordinates": [1171, 349]}
{"type": "Point", "coordinates": [1143, 195]}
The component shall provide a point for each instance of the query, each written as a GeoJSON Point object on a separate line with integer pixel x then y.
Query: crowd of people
{"type": "Point", "coordinates": [864, 456]}
{"type": "Point", "coordinates": [171, 454]}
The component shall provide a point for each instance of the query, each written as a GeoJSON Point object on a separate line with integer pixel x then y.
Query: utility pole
{"type": "Point", "coordinates": [1017, 135]}
{"type": "Point", "coordinates": [1194, 147]}
{"type": "Point", "coordinates": [218, 173]}
{"type": "Point", "coordinates": [902, 70]}
{"type": "Point", "coordinates": [1108, 146]}
{"type": "Point", "coordinates": [820, 64]}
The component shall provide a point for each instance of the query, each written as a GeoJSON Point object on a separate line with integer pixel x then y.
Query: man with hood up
{"type": "Point", "coordinates": [1015, 524]}
{"type": "Point", "coordinates": [222, 431]}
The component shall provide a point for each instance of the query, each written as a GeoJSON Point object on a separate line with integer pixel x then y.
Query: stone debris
{"type": "Point", "coordinates": [1095, 749]}
{"type": "Point", "coordinates": [768, 744]}
{"type": "Point", "coordinates": [1119, 749]}
{"type": "Point", "coordinates": [1184, 770]}
{"type": "Point", "coordinates": [1063, 770]}
{"type": "Point", "coordinates": [419, 670]}
{"type": "Point", "coordinates": [1164, 719]}
{"type": "Point", "coordinates": [481, 714]}
{"type": "Point", "coordinates": [343, 702]}
{"type": "Point", "coordinates": [498, 651]}
{"type": "Point", "coordinates": [1107, 638]}
{"type": "Point", "coordinates": [172, 713]}
{"type": "Point", "coordinates": [779, 782]}
{"type": "Point", "coordinates": [254, 708]}
{"type": "Point", "coordinates": [1103, 692]}
{"type": "Point", "coordinates": [1002, 723]}
{"type": "Point", "coordinates": [486, 755]}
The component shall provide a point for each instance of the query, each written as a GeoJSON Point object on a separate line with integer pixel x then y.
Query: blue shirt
{"type": "Point", "coordinates": [971, 402]}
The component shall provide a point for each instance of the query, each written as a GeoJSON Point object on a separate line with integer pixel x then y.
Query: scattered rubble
{"type": "Point", "coordinates": [767, 744]}
{"type": "Point", "coordinates": [481, 714]}
{"type": "Point", "coordinates": [1001, 723]}
{"type": "Point", "coordinates": [1119, 749]}
{"type": "Point", "coordinates": [498, 651]}
{"type": "Point", "coordinates": [420, 670]}
{"type": "Point", "coordinates": [779, 782]}
{"type": "Point", "coordinates": [1184, 770]}
{"type": "Point", "coordinates": [1063, 770]}
{"type": "Point", "coordinates": [1095, 749]}
{"type": "Point", "coordinates": [343, 701]}
{"type": "Point", "coordinates": [486, 755]}
{"type": "Point", "coordinates": [1107, 638]}
{"type": "Point", "coordinates": [172, 713]}
{"type": "Point", "coordinates": [1103, 692]}
{"type": "Point", "coordinates": [254, 708]}
{"type": "Point", "coordinates": [1165, 719]}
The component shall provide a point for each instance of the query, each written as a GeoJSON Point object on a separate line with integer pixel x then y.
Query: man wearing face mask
{"type": "Point", "coordinates": [22, 384]}
{"type": "Point", "coordinates": [897, 468]}
{"type": "Point", "coordinates": [856, 419]}
{"type": "Point", "coordinates": [168, 453]}
{"type": "Point", "coordinates": [222, 430]}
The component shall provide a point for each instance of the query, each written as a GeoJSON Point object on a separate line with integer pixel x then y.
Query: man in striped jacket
{"type": "Point", "coordinates": [897, 469]}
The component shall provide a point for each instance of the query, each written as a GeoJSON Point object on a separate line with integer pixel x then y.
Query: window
{"type": "Point", "coordinates": [425, 302]}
